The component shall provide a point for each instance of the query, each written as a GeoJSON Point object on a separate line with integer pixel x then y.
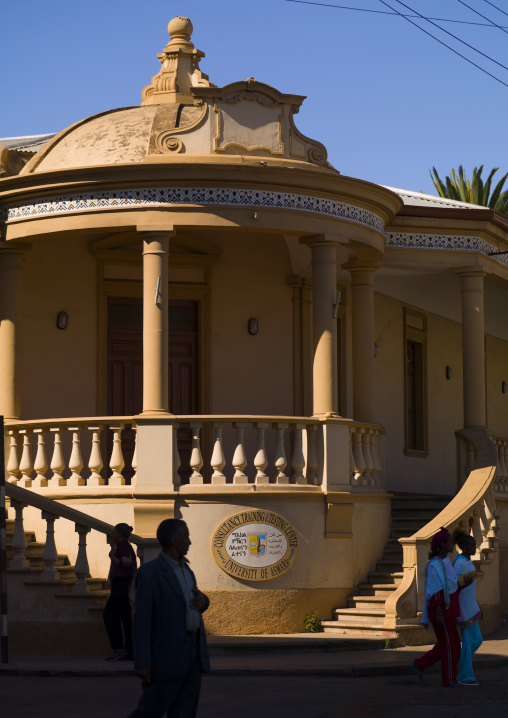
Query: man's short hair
{"type": "Point", "coordinates": [168, 529]}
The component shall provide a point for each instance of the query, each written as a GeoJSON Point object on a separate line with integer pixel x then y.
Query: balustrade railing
{"type": "Point", "coordinates": [51, 511]}
{"type": "Point", "coordinates": [218, 450]}
{"type": "Point", "coordinates": [364, 455]}
{"type": "Point", "coordinates": [501, 477]}
{"type": "Point", "coordinates": [85, 443]}
{"type": "Point", "coordinates": [473, 509]}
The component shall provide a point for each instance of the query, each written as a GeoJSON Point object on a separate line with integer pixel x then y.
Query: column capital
{"type": "Point", "coordinates": [152, 230]}
{"type": "Point", "coordinates": [361, 265]}
{"type": "Point", "coordinates": [15, 247]}
{"type": "Point", "coordinates": [321, 240]}
{"type": "Point", "coordinates": [474, 270]}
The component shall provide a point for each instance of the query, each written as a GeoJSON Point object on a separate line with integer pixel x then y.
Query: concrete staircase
{"type": "Point", "coordinates": [46, 616]}
{"type": "Point", "coordinates": [365, 610]}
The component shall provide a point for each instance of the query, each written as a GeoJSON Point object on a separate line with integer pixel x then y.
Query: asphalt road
{"type": "Point", "coordinates": [265, 697]}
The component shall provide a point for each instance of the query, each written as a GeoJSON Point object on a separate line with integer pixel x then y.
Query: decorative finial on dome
{"type": "Point", "coordinates": [180, 68]}
{"type": "Point", "coordinates": [180, 28]}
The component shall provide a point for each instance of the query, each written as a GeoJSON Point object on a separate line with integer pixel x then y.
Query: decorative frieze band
{"type": "Point", "coordinates": [178, 196]}
{"type": "Point", "coordinates": [443, 241]}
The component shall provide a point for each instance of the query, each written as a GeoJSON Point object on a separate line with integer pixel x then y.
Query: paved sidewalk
{"type": "Point", "coordinates": [277, 655]}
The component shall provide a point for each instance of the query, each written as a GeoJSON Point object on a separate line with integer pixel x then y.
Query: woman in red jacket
{"type": "Point", "coordinates": [441, 608]}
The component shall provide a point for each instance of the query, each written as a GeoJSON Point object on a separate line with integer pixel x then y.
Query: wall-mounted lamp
{"type": "Point", "coordinates": [449, 372]}
{"type": "Point", "coordinates": [376, 350]}
{"type": "Point", "coordinates": [61, 320]}
{"type": "Point", "coordinates": [504, 387]}
{"type": "Point", "coordinates": [253, 326]}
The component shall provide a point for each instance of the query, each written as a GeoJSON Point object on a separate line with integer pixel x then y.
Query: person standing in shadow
{"type": "Point", "coordinates": [170, 651]}
{"type": "Point", "coordinates": [117, 611]}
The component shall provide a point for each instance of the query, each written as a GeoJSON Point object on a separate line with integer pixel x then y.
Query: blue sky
{"type": "Point", "coordinates": [386, 100]}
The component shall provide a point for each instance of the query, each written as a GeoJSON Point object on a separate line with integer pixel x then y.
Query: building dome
{"type": "Point", "coordinates": [185, 117]}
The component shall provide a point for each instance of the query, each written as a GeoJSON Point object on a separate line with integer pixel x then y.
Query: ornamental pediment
{"type": "Point", "coordinates": [253, 118]}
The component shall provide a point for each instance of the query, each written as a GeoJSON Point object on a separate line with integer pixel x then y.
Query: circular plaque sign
{"type": "Point", "coordinates": [255, 545]}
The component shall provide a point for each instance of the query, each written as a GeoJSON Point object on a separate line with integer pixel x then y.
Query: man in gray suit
{"type": "Point", "coordinates": [170, 651]}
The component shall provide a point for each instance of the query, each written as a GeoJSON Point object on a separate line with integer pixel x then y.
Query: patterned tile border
{"type": "Point", "coordinates": [443, 241]}
{"type": "Point", "coordinates": [175, 196]}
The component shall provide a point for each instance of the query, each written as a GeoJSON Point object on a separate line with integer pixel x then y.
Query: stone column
{"type": "Point", "coordinates": [362, 301]}
{"type": "Point", "coordinates": [10, 316]}
{"type": "Point", "coordinates": [473, 345]}
{"type": "Point", "coordinates": [155, 320]}
{"type": "Point", "coordinates": [324, 326]}
{"type": "Point", "coordinates": [302, 327]}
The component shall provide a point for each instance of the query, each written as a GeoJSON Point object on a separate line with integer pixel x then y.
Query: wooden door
{"type": "Point", "coordinates": [125, 367]}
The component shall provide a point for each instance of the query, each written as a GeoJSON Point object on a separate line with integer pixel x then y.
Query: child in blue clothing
{"type": "Point", "coordinates": [470, 611]}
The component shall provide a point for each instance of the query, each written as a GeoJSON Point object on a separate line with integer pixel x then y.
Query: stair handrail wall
{"type": "Point", "coordinates": [473, 509]}
{"type": "Point", "coordinates": [52, 510]}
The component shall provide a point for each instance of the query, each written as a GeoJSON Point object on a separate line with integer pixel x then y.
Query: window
{"type": "Point", "coordinates": [415, 383]}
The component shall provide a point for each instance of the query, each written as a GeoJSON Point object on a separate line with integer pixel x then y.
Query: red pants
{"type": "Point", "coordinates": [446, 650]}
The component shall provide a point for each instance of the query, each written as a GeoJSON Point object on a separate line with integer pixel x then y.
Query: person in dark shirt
{"type": "Point", "coordinates": [117, 611]}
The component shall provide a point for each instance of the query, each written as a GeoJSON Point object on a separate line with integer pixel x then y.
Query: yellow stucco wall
{"type": "Point", "coordinates": [251, 374]}
{"type": "Point", "coordinates": [324, 573]}
{"type": "Point", "coordinates": [59, 368]}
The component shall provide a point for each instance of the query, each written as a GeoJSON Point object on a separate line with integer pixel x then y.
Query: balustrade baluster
{"type": "Point", "coordinates": [260, 460]}
{"type": "Point", "coordinates": [368, 476]}
{"type": "Point", "coordinates": [469, 459]}
{"type": "Point", "coordinates": [312, 455]}
{"type": "Point", "coordinates": [26, 466]}
{"type": "Point", "coordinates": [50, 554]}
{"type": "Point", "coordinates": [176, 457]}
{"type": "Point", "coordinates": [41, 462]}
{"type": "Point", "coordinates": [490, 511]}
{"type": "Point", "coordinates": [76, 459]}
{"type": "Point", "coordinates": [13, 472]}
{"type": "Point", "coordinates": [504, 453]}
{"type": "Point", "coordinates": [18, 543]}
{"type": "Point", "coordinates": [298, 459]}
{"type": "Point", "coordinates": [196, 459]}
{"type": "Point", "coordinates": [484, 526]}
{"type": "Point", "coordinates": [218, 460]}
{"type": "Point", "coordinates": [57, 462]}
{"type": "Point", "coordinates": [95, 463]}
{"type": "Point", "coordinates": [476, 531]}
{"type": "Point", "coordinates": [374, 452]}
{"type": "Point", "coordinates": [239, 458]}
{"type": "Point", "coordinates": [117, 462]}
{"type": "Point", "coordinates": [359, 462]}
{"type": "Point", "coordinates": [500, 468]}
{"type": "Point", "coordinates": [81, 569]}
{"type": "Point", "coordinates": [280, 461]}
{"type": "Point", "coordinates": [134, 462]}
{"type": "Point", "coordinates": [352, 464]}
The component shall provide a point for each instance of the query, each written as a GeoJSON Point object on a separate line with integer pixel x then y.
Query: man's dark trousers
{"type": "Point", "coordinates": [176, 698]}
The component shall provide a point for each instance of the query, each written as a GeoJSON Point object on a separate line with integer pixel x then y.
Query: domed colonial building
{"type": "Point", "coordinates": [200, 317]}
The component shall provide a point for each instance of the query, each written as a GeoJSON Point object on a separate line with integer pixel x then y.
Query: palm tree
{"type": "Point", "coordinates": [473, 191]}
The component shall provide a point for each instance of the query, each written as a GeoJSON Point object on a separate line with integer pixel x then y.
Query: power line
{"type": "Point", "coordinates": [483, 16]}
{"type": "Point", "coordinates": [471, 47]}
{"type": "Point", "coordinates": [384, 12]}
{"type": "Point", "coordinates": [444, 43]}
{"type": "Point", "coordinates": [497, 8]}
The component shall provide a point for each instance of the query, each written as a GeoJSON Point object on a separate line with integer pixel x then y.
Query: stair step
{"type": "Point", "coordinates": [393, 554]}
{"type": "Point", "coordinates": [382, 577]}
{"type": "Point", "coordinates": [359, 615]}
{"type": "Point", "coordinates": [372, 629]}
{"type": "Point", "coordinates": [367, 601]}
{"type": "Point", "coordinates": [377, 589]}
{"type": "Point", "coordinates": [389, 566]}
